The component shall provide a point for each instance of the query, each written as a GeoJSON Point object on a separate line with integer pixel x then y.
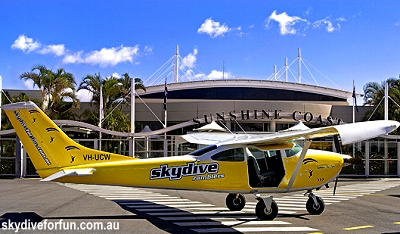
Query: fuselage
{"type": "Point", "coordinates": [222, 168]}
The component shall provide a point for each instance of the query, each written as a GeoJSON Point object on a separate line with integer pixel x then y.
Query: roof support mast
{"type": "Point", "coordinates": [386, 101]}
{"type": "Point", "coordinates": [176, 65]}
{"type": "Point", "coordinates": [299, 66]}
{"type": "Point", "coordinates": [286, 70]}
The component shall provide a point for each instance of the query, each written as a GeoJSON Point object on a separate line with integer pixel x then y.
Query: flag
{"type": "Point", "coordinates": [355, 97]}
{"type": "Point", "coordinates": [165, 94]}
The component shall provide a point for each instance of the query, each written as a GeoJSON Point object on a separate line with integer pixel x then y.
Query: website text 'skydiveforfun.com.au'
{"type": "Point", "coordinates": [59, 225]}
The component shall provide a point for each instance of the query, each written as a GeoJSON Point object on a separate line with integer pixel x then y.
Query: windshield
{"type": "Point", "coordinates": [293, 151]}
{"type": "Point", "coordinates": [203, 150]}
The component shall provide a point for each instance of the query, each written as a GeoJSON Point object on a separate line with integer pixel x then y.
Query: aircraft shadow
{"type": "Point", "coordinates": [32, 218]}
{"type": "Point", "coordinates": [298, 216]}
{"type": "Point", "coordinates": [26, 218]}
{"type": "Point", "coordinates": [163, 222]}
{"type": "Point", "coordinates": [167, 224]}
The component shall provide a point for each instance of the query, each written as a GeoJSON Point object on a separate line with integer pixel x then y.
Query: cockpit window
{"type": "Point", "coordinates": [293, 151]}
{"type": "Point", "coordinates": [233, 155]}
{"type": "Point", "coordinates": [258, 154]}
{"type": "Point", "coordinates": [203, 150]}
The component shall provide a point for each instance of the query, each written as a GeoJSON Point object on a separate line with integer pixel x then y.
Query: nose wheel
{"type": "Point", "coordinates": [235, 202]}
{"type": "Point", "coordinates": [315, 205]}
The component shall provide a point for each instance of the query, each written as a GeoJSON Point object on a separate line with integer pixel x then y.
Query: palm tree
{"type": "Point", "coordinates": [125, 82]}
{"type": "Point", "coordinates": [374, 93]}
{"type": "Point", "coordinates": [56, 88]}
{"type": "Point", "coordinates": [115, 91]}
{"type": "Point", "coordinates": [92, 84]}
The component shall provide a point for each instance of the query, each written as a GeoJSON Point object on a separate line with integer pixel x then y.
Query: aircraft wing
{"type": "Point", "coordinates": [349, 133]}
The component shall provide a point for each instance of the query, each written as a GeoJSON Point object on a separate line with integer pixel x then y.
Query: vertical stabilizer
{"type": "Point", "coordinates": [46, 144]}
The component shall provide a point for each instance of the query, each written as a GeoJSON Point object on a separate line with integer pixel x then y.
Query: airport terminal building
{"type": "Point", "coordinates": [241, 105]}
{"type": "Point", "coordinates": [236, 104]}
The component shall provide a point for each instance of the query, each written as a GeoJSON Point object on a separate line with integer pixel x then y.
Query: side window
{"type": "Point", "coordinates": [232, 155]}
{"type": "Point", "coordinates": [273, 153]}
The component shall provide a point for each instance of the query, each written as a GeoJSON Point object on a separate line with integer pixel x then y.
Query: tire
{"type": "Point", "coordinates": [262, 212]}
{"type": "Point", "coordinates": [235, 203]}
{"type": "Point", "coordinates": [312, 208]}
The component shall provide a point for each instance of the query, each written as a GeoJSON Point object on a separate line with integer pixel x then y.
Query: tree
{"type": "Point", "coordinates": [374, 93]}
{"type": "Point", "coordinates": [115, 91]}
{"type": "Point", "coordinates": [56, 89]}
{"type": "Point", "coordinates": [125, 82]}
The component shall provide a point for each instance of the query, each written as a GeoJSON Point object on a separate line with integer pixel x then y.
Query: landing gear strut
{"type": "Point", "coordinates": [315, 205]}
{"type": "Point", "coordinates": [235, 202]}
{"type": "Point", "coordinates": [266, 208]}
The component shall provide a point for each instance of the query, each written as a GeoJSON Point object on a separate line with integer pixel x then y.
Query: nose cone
{"type": "Point", "coordinates": [394, 125]}
{"type": "Point", "coordinates": [348, 160]}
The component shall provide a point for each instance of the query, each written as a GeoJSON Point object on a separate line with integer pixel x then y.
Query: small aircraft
{"type": "Point", "coordinates": [231, 163]}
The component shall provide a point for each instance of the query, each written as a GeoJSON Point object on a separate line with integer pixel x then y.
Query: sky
{"type": "Point", "coordinates": [340, 41]}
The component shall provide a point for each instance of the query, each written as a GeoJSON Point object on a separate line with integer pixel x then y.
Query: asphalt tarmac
{"type": "Point", "coordinates": [360, 206]}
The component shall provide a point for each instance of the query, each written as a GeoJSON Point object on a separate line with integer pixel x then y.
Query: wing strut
{"type": "Point", "coordinates": [307, 144]}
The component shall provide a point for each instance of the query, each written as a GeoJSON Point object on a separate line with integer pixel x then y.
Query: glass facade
{"type": "Point", "coordinates": [243, 93]}
{"type": "Point", "coordinates": [378, 157]}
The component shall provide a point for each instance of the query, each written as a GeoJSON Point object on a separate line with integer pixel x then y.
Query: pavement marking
{"type": "Point", "coordinates": [256, 229]}
{"type": "Point", "coordinates": [230, 223]}
{"type": "Point", "coordinates": [357, 228]}
{"type": "Point", "coordinates": [205, 218]}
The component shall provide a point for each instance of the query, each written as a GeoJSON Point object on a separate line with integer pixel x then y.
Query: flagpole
{"type": "Point", "coordinates": [354, 102]}
{"type": "Point", "coordinates": [133, 95]}
{"type": "Point", "coordinates": [1, 94]}
{"type": "Point", "coordinates": [101, 114]}
{"type": "Point", "coordinates": [354, 95]}
{"type": "Point", "coordinates": [165, 117]}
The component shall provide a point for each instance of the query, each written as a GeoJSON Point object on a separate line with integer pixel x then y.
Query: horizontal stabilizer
{"type": "Point", "coordinates": [70, 172]}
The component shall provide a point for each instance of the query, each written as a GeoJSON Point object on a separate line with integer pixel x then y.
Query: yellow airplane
{"type": "Point", "coordinates": [232, 163]}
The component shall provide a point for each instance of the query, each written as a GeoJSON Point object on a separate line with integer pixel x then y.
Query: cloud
{"type": "Point", "coordinates": [308, 11]}
{"type": "Point", "coordinates": [213, 28]}
{"type": "Point", "coordinates": [103, 58]}
{"type": "Point", "coordinates": [29, 84]}
{"type": "Point", "coordinates": [25, 44]}
{"type": "Point", "coordinates": [116, 75]}
{"type": "Point", "coordinates": [148, 49]}
{"type": "Point", "coordinates": [73, 58]}
{"type": "Point", "coordinates": [286, 22]}
{"type": "Point", "coordinates": [84, 95]}
{"type": "Point", "coordinates": [294, 24]}
{"type": "Point", "coordinates": [397, 23]}
{"type": "Point", "coordinates": [328, 24]}
{"type": "Point", "coordinates": [218, 75]}
{"type": "Point", "coordinates": [190, 60]}
{"type": "Point", "coordinates": [111, 56]}
{"type": "Point", "coordinates": [58, 50]}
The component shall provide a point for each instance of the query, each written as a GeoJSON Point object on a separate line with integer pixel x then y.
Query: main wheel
{"type": "Point", "coordinates": [264, 214]}
{"type": "Point", "coordinates": [315, 209]}
{"type": "Point", "coordinates": [235, 202]}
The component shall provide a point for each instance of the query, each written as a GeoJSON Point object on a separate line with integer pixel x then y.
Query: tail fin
{"type": "Point", "coordinates": [46, 144]}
